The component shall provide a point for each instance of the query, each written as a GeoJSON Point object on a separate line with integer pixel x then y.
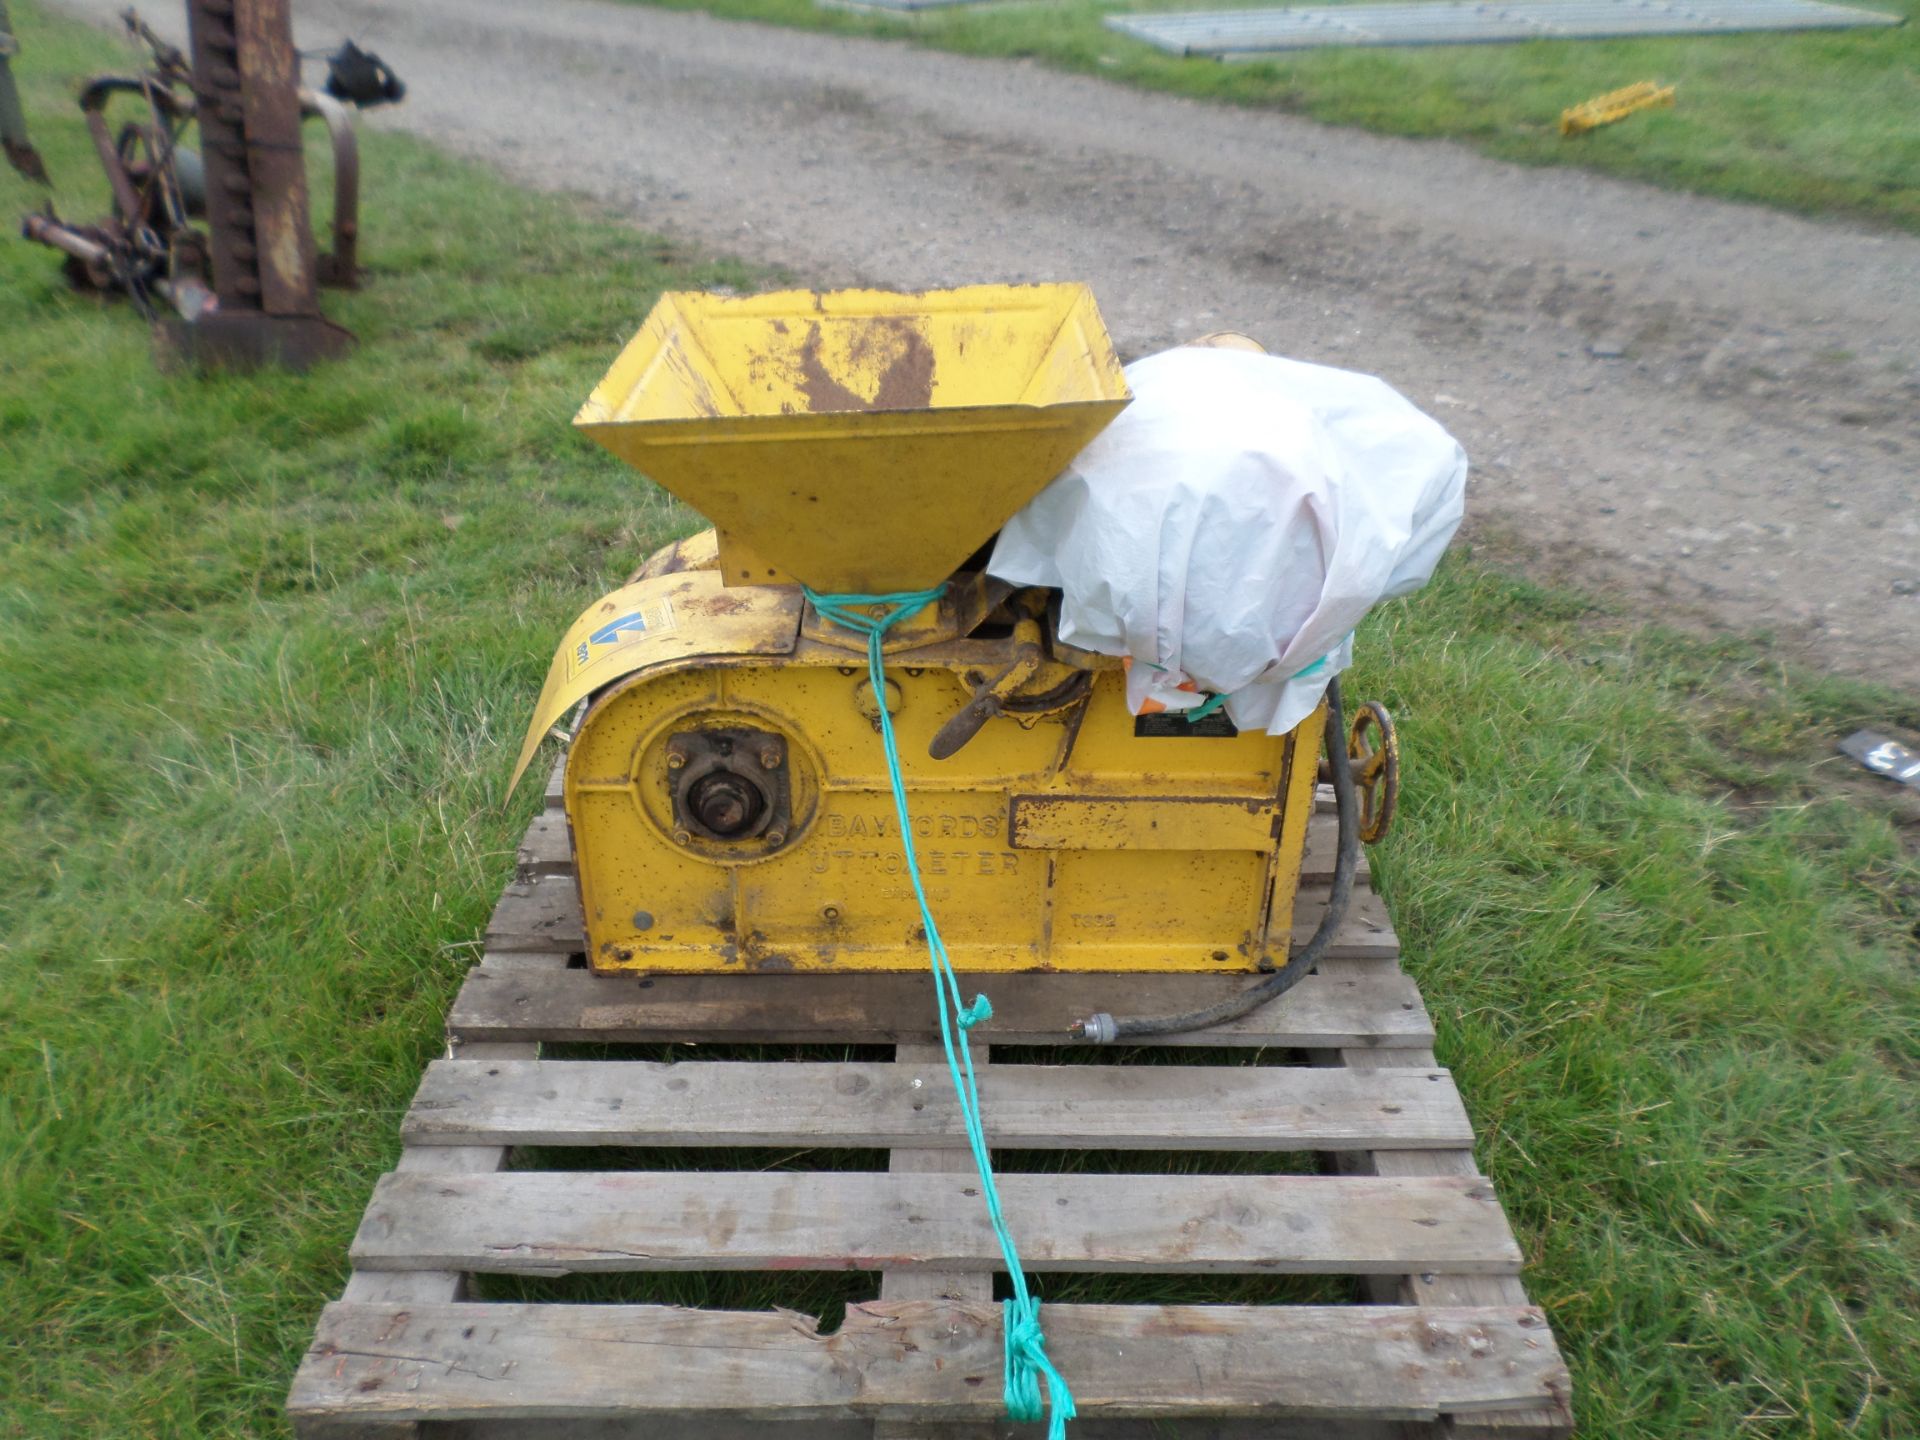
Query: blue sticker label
{"type": "Point", "coordinates": [610, 634]}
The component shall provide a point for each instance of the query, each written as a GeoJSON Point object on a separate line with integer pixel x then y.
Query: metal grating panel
{"type": "Point", "coordinates": [1231, 34]}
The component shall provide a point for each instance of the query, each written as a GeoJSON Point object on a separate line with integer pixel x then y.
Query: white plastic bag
{"type": "Point", "coordinates": [1230, 528]}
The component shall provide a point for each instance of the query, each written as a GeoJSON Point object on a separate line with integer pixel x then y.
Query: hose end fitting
{"type": "Point", "coordinates": [1096, 1029]}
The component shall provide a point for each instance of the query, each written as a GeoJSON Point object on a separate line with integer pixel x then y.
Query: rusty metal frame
{"type": "Point", "coordinates": [339, 268]}
{"type": "Point", "coordinates": [245, 292]}
{"type": "Point", "coordinates": [1376, 768]}
{"type": "Point", "coordinates": [14, 141]}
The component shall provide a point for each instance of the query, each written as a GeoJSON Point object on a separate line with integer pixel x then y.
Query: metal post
{"type": "Point", "coordinates": [13, 120]}
{"type": "Point", "coordinates": [246, 77]}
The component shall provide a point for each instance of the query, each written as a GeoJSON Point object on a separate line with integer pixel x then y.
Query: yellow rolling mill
{"type": "Point", "coordinates": [725, 787]}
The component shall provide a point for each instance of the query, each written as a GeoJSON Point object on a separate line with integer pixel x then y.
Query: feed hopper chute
{"type": "Point", "coordinates": [860, 441]}
{"type": "Point", "coordinates": [730, 806]}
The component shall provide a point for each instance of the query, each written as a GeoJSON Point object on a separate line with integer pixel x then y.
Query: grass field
{"type": "Point", "coordinates": [1825, 122]}
{"type": "Point", "coordinates": [266, 645]}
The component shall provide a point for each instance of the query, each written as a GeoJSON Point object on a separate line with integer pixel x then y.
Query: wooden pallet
{"type": "Point", "coordinates": [1441, 1340]}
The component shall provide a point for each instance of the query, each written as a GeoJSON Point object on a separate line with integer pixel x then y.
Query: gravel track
{"type": "Point", "coordinates": [1708, 410]}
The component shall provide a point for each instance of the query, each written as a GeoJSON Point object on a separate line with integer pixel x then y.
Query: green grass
{"type": "Point", "coordinates": [266, 645]}
{"type": "Point", "coordinates": [1821, 122]}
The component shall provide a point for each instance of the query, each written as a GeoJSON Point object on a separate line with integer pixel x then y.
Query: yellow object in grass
{"type": "Point", "coordinates": [1614, 105]}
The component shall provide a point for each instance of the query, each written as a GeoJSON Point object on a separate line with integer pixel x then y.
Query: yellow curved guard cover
{"type": "Point", "coordinates": [651, 622]}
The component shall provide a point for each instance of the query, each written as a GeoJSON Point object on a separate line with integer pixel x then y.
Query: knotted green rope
{"type": "Point", "coordinates": [1027, 1361]}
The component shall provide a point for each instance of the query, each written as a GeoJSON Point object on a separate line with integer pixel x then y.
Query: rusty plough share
{"type": "Point", "coordinates": [243, 291]}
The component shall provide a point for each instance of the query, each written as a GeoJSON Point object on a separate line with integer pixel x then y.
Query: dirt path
{"type": "Point", "coordinates": [1711, 410]}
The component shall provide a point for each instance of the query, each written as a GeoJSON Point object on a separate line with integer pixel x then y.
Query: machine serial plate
{"type": "Point", "coordinates": [1174, 725]}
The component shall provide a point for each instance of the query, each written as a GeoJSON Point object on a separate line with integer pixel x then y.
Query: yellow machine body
{"type": "Point", "coordinates": [1071, 843]}
{"type": "Point", "coordinates": [725, 785]}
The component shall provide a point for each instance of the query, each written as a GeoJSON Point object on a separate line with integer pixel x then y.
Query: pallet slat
{"type": "Point", "coordinates": [555, 1003]}
{"type": "Point", "coordinates": [561, 1223]}
{"type": "Point", "coordinates": [1127, 1107]}
{"type": "Point", "coordinates": [919, 1360]}
{"type": "Point", "coordinates": [707, 1428]}
{"type": "Point", "coordinates": [546, 848]}
{"type": "Point", "coordinates": [975, 1286]}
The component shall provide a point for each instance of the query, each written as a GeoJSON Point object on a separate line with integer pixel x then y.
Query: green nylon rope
{"type": "Point", "coordinates": [1204, 709]}
{"type": "Point", "coordinates": [1027, 1361]}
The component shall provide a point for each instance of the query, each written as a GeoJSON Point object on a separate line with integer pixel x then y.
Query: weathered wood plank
{"type": "Point", "coordinates": [940, 1430]}
{"type": "Point", "coordinates": [558, 1223]}
{"type": "Point", "coordinates": [1381, 1008]}
{"type": "Point", "coordinates": [1143, 1107]}
{"type": "Point", "coordinates": [526, 964]}
{"type": "Point", "coordinates": [543, 913]}
{"type": "Point", "coordinates": [708, 1428]}
{"type": "Point", "coordinates": [1366, 933]}
{"type": "Point", "coordinates": [975, 1286]}
{"type": "Point", "coordinates": [919, 1360]}
{"type": "Point", "coordinates": [705, 1427]}
{"type": "Point", "coordinates": [546, 848]}
{"type": "Point", "coordinates": [687, 1428]}
{"type": "Point", "coordinates": [1323, 847]}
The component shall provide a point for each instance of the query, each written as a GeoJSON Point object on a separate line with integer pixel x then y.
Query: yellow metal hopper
{"type": "Point", "coordinates": [859, 441]}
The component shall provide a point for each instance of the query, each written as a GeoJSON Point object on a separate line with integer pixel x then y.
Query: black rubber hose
{"type": "Point", "coordinates": [1104, 1029]}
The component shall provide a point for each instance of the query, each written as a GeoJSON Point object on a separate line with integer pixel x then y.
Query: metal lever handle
{"type": "Point", "coordinates": [989, 699]}
{"type": "Point", "coordinates": [964, 725]}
